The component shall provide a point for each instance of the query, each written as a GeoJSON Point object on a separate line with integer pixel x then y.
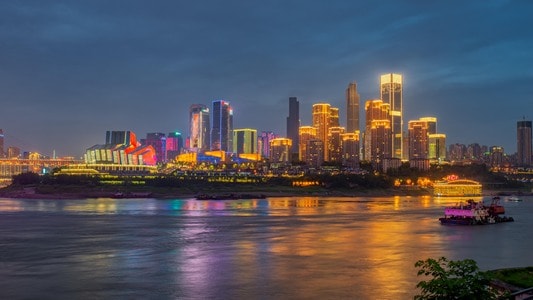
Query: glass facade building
{"type": "Point", "coordinates": [222, 126]}
{"type": "Point", "coordinates": [391, 87]}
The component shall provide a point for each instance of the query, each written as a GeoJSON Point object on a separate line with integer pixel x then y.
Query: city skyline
{"type": "Point", "coordinates": [71, 71]}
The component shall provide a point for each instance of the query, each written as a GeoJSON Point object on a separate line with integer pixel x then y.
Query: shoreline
{"type": "Point", "coordinates": [208, 194]}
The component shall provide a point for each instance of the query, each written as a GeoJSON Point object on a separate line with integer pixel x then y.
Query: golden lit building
{"type": "Point", "coordinates": [350, 145]}
{"type": "Point", "coordinates": [378, 132]}
{"type": "Point", "coordinates": [391, 87]}
{"type": "Point", "coordinates": [325, 117]}
{"type": "Point", "coordinates": [457, 188]}
{"type": "Point", "coordinates": [306, 133]}
{"type": "Point", "coordinates": [334, 117]}
{"type": "Point", "coordinates": [280, 150]}
{"type": "Point", "coordinates": [418, 139]}
{"type": "Point", "coordinates": [335, 143]}
{"type": "Point", "coordinates": [321, 121]}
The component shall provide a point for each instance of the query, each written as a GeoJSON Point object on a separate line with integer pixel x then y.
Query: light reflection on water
{"type": "Point", "coordinates": [276, 248]}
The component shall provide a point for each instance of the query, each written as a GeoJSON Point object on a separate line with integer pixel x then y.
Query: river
{"type": "Point", "coordinates": [274, 248]}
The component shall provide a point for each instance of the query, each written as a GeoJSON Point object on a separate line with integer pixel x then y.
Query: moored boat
{"type": "Point", "coordinates": [475, 213]}
{"type": "Point", "coordinates": [514, 199]}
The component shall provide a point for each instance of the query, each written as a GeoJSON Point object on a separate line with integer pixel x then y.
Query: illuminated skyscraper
{"type": "Point", "coordinates": [418, 139]}
{"type": "Point", "coordinates": [293, 125]}
{"type": "Point", "coordinates": [307, 133]}
{"type": "Point", "coordinates": [158, 140]}
{"type": "Point", "coordinates": [245, 141]}
{"type": "Point", "coordinates": [335, 144]}
{"type": "Point", "coordinates": [334, 117]}
{"type": "Point", "coordinates": [264, 142]}
{"type": "Point", "coordinates": [199, 128]}
{"type": "Point", "coordinates": [222, 126]}
{"type": "Point", "coordinates": [523, 143]}
{"type": "Point", "coordinates": [174, 145]}
{"type": "Point", "coordinates": [315, 153]}
{"type": "Point", "coordinates": [352, 108]}
{"type": "Point", "coordinates": [2, 153]}
{"type": "Point", "coordinates": [391, 87]}
{"type": "Point", "coordinates": [350, 148]}
{"type": "Point", "coordinates": [377, 132]}
{"type": "Point", "coordinates": [437, 147]}
{"type": "Point", "coordinates": [321, 121]}
{"type": "Point", "coordinates": [431, 124]}
{"type": "Point", "coordinates": [325, 117]}
{"type": "Point", "coordinates": [279, 150]}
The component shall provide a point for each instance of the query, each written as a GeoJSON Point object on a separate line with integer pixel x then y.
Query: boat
{"type": "Point", "coordinates": [475, 213]}
{"type": "Point", "coordinates": [514, 199]}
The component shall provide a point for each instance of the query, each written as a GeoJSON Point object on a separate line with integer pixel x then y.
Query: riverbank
{"type": "Point", "coordinates": [204, 191]}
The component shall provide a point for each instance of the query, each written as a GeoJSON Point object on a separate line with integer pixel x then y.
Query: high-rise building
{"type": "Point", "coordinates": [335, 144]}
{"type": "Point", "coordinates": [321, 121]}
{"type": "Point", "coordinates": [418, 139]}
{"type": "Point", "coordinates": [13, 152]}
{"type": "Point", "coordinates": [352, 108]}
{"type": "Point", "coordinates": [456, 152]}
{"type": "Point", "coordinates": [325, 117]}
{"type": "Point", "coordinates": [222, 126]}
{"type": "Point", "coordinates": [431, 124]}
{"type": "Point", "coordinates": [279, 150]}
{"type": "Point", "coordinates": [158, 140]}
{"type": "Point", "coordinates": [293, 125]}
{"type": "Point", "coordinates": [174, 145]}
{"type": "Point", "coordinates": [2, 153]}
{"type": "Point", "coordinates": [334, 117]}
{"type": "Point", "coordinates": [315, 153]}
{"type": "Point", "coordinates": [245, 141]}
{"type": "Point", "coordinates": [199, 128]}
{"type": "Point", "coordinates": [391, 87]}
{"type": "Point", "coordinates": [437, 147]}
{"type": "Point", "coordinates": [307, 133]}
{"type": "Point", "coordinates": [377, 132]}
{"type": "Point", "coordinates": [350, 148]}
{"type": "Point", "coordinates": [264, 143]}
{"type": "Point", "coordinates": [523, 143]}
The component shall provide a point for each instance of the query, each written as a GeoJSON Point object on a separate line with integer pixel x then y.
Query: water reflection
{"type": "Point", "coordinates": [309, 247]}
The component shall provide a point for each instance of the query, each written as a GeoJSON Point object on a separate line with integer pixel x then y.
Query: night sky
{"type": "Point", "coordinates": [70, 70]}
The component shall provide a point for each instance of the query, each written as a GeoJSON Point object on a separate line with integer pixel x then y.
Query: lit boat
{"type": "Point", "coordinates": [514, 199]}
{"type": "Point", "coordinates": [475, 213]}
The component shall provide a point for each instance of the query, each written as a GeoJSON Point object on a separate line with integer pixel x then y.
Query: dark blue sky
{"type": "Point", "coordinates": [70, 70]}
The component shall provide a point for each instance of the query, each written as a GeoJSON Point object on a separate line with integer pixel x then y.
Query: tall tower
{"type": "Point", "coordinates": [418, 139]}
{"type": "Point", "coordinates": [293, 125]}
{"type": "Point", "coordinates": [377, 132]}
{"type": "Point", "coordinates": [321, 121]}
{"type": "Point", "coordinates": [307, 133]}
{"type": "Point", "coordinates": [391, 87]}
{"type": "Point", "coordinates": [352, 108]}
{"type": "Point", "coordinates": [222, 126]}
{"type": "Point", "coordinates": [523, 143]}
{"type": "Point", "coordinates": [199, 128]}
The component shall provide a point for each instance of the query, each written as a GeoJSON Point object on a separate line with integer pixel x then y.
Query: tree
{"type": "Point", "coordinates": [26, 178]}
{"type": "Point", "coordinates": [452, 280]}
